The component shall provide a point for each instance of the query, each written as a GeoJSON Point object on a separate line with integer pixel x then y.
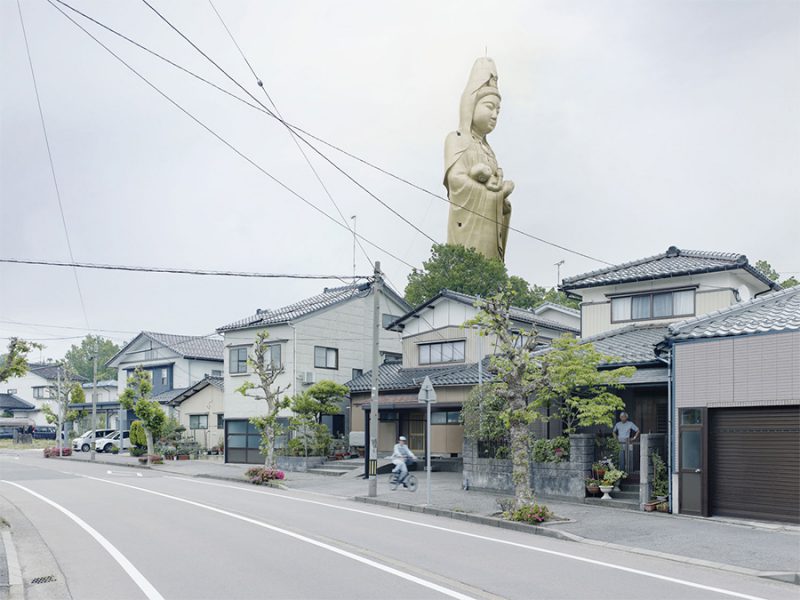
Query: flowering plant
{"type": "Point", "coordinates": [262, 475]}
{"type": "Point", "coordinates": [53, 451]}
{"type": "Point", "coordinates": [530, 513]}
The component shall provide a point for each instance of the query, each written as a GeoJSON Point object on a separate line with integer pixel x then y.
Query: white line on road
{"type": "Point", "coordinates": [480, 537]}
{"type": "Point", "coordinates": [132, 571]}
{"type": "Point", "coordinates": [302, 538]}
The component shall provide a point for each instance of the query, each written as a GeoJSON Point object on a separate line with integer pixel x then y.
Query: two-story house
{"type": "Point", "coordinates": [25, 396]}
{"type": "Point", "coordinates": [325, 337]}
{"type": "Point", "coordinates": [437, 345]}
{"type": "Point", "coordinates": [174, 362]}
{"type": "Point", "coordinates": [626, 310]}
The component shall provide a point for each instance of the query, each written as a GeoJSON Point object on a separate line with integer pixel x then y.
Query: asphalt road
{"type": "Point", "coordinates": [124, 533]}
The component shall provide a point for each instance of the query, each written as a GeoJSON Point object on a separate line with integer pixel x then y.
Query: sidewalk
{"type": "Point", "coordinates": [754, 548]}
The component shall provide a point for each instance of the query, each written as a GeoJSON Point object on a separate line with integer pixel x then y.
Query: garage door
{"type": "Point", "coordinates": [754, 469]}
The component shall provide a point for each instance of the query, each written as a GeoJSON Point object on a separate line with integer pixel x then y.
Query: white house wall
{"type": "Point", "coordinates": [208, 401]}
{"type": "Point", "coordinates": [715, 291]}
{"type": "Point", "coordinates": [346, 326]}
{"type": "Point", "coordinates": [24, 389]}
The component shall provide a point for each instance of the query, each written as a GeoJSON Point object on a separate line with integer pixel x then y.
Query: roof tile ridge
{"type": "Point", "coordinates": [625, 265]}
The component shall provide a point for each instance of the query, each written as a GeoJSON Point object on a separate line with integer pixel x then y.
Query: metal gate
{"type": "Point", "coordinates": [755, 462]}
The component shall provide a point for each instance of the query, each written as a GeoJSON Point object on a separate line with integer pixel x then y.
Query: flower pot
{"type": "Point", "coordinates": [593, 489]}
{"type": "Point", "coordinates": [650, 506]}
{"type": "Point", "coordinates": [183, 457]}
{"type": "Point", "coordinates": [606, 489]}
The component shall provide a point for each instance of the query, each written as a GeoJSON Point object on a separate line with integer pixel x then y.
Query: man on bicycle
{"type": "Point", "coordinates": [400, 457]}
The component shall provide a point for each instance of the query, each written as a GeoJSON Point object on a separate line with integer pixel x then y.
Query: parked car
{"type": "Point", "coordinates": [44, 432]}
{"type": "Point", "coordinates": [105, 444]}
{"type": "Point", "coordinates": [82, 443]}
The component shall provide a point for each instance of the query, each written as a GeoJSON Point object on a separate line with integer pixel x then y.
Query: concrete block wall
{"type": "Point", "coordinates": [486, 473]}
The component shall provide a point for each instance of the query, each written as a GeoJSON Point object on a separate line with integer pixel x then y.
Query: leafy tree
{"type": "Point", "coordinates": [70, 393]}
{"type": "Point", "coordinates": [80, 357]}
{"type": "Point", "coordinates": [322, 398]}
{"type": "Point", "coordinates": [524, 384]}
{"type": "Point", "coordinates": [458, 269]}
{"type": "Point", "coordinates": [138, 436]}
{"type": "Point", "coordinates": [767, 269]}
{"type": "Point", "coordinates": [149, 412]}
{"type": "Point", "coordinates": [15, 362]}
{"type": "Point", "coordinates": [466, 270]}
{"type": "Point", "coordinates": [267, 425]}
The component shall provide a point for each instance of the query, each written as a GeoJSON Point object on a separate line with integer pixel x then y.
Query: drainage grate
{"type": "Point", "coordinates": [45, 579]}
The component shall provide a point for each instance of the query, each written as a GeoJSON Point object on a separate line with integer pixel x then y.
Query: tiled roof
{"type": "Point", "coordinates": [773, 312]}
{"type": "Point", "coordinates": [392, 377]}
{"type": "Point", "coordinates": [630, 345]}
{"type": "Point", "coordinates": [521, 315]}
{"type": "Point", "coordinates": [13, 402]}
{"type": "Point", "coordinates": [102, 383]}
{"type": "Point", "coordinates": [672, 263]}
{"type": "Point", "coordinates": [49, 371]}
{"type": "Point", "coordinates": [187, 346]}
{"type": "Point", "coordinates": [329, 297]}
{"type": "Point", "coordinates": [545, 305]}
{"type": "Point", "coordinates": [168, 396]}
{"type": "Point", "coordinates": [186, 393]}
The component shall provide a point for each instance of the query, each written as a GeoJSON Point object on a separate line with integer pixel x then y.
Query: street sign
{"type": "Point", "coordinates": [426, 392]}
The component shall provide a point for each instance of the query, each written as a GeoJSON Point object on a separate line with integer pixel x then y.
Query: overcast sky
{"type": "Point", "coordinates": [626, 126]}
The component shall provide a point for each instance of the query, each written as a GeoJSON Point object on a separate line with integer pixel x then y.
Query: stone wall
{"type": "Point", "coordinates": [299, 464]}
{"type": "Point", "coordinates": [485, 473]}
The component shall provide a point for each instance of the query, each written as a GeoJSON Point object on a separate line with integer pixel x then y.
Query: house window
{"type": "Point", "coordinates": [357, 373]}
{"type": "Point", "coordinates": [238, 360]}
{"type": "Point", "coordinates": [164, 377]}
{"type": "Point", "coordinates": [451, 417]}
{"type": "Point", "coordinates": [659, 305]}
{"type": "Point", "coordinates": [198, 421]}
{"type": "Point", "coordinates": [42, 392]}
{"type": "Point", "coordinates": [272, 357]}
{"type": "Point", "coordinates": [326, 358]}
{"type": "Point", "coordinates": [442, 352]}
{"type": "Point", "coordinates": [220, 421]}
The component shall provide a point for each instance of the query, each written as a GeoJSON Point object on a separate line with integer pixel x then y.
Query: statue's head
{"type": "Point", "coordinates": [487, 107]}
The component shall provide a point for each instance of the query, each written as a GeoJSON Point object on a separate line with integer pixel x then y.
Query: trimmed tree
{"type": "Point", "coordinates": [322, 398]}
{"type": "Point", "coordinates": [70, 393]}
{"type": "Point", "coordinates": [149, 412]}
{"type": "Point", "coordinates": [14, 363]}
{"type": "Point", "coordinates": [260, 361]}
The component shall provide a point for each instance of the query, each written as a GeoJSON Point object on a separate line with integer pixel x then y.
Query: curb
{"type": "Point", "coordinates": [15, 587]}
{"type": "Point", "coordinates": [788, 577]}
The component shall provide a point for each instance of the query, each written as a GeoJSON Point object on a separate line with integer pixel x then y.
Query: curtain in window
{"type": "Point", "coordinates": [620, 309]}
{"type": "Point", "coordinates": [684, 302]}
{"type": "Point", "coordinates": [662, 305]}
{"type": "Point", "coordinates": [640, 307]}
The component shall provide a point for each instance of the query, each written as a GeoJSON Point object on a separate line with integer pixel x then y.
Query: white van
{"type": "Point", "coordinates": [105, 444]}
{"type": "Point", "coordinates": [83, 443]}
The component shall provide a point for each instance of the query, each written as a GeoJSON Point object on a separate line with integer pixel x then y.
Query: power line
{"type": "Point", "coordinates": [300, 130]}
{"type": "Point", "coordinates": [79, 265]}
{"type": "Point", "coordinates": [52, 165]}
{"type": "Point", "coordinates": [223, 140]}
{"type": "Point", "coordinates": [289, 129]}
{"type": "Point", "coordinates": [278, 117]}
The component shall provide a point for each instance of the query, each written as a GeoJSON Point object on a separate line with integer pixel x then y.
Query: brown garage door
{"type": "Point", "coordinates": [754, 468]}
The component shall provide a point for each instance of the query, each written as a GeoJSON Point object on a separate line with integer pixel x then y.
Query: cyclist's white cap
{"type": "Point", "coordinates": [403, 438]}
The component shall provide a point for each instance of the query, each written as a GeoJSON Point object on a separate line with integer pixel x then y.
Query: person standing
{"type": "Point", "coordinates": [626, 432]}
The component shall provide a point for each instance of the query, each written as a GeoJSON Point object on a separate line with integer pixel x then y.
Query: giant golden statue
{"type": "Point", "coordinates": [479, 208]}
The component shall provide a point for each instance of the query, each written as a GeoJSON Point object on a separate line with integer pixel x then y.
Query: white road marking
{"type": "Point", "coordinates": [302, 538]}
{"type": "Point", "coordinates": [139, 579]}
{"type": "Point", "coordinates": [481, 537]}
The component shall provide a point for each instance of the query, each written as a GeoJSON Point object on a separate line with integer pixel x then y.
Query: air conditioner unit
{"type": "Point", "coordinates": [308, 377]}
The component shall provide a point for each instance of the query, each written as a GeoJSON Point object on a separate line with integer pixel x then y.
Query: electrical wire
{"type": "Point", "coordinates": [339, 149]}
{"type": "Point", "coordinates": [52, 165]}
{"type": "Point", "coordinates": [223, 140]}
{"type": "Point", "coordinates": [206, 272]}
{"type": "Point", "coordinates": [260, 84]}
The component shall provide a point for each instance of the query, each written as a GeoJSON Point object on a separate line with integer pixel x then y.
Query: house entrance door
{"type": "Point", "coordinates": [693, 453]}
{"type": "Point", "coordinates": [416, 437]}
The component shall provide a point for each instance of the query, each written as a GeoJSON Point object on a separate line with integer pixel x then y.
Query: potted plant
{"type": "Point", "coordinates": [598, 470]}
{"type": "Point", "coordinates": [592, 486]}
{"type": "Point", "coordinates": [610, 477]}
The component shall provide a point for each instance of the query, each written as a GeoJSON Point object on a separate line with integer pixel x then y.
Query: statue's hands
{"type": "Point", "coordinates": [480, 172]}
{"type": "Point", "coordinates": [495, 183]}
{"type": "Point", "coordinates": [508, 187]}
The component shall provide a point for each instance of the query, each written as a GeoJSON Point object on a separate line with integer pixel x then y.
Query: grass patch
{"type": "Point", "coordinates": [35, 445]}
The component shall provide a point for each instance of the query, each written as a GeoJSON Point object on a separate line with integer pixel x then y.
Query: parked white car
{"type": "Point", "coordinates": [83, 443]}
{"type": "Point", "coordinates": [105, 444]}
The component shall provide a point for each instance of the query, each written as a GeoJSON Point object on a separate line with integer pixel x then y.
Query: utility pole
{"type": "Point", "coordinates": [558, 272]}
{"type": "Point", "coordinates": [377, 287]}
{"type": "Point", "coordinates": [94, 403]}
{"type": "Point", "coordinates": [353, 218]}
{"type": "Point", "coordinates": [58, 407]}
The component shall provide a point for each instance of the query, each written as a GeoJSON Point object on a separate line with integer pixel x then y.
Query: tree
{"type": "Point", "coordinates": [15, 362]}
{"type": "Point", "coordinates": [322, 398]}
{"type": "Point", "coordinates": [455, 268]}
{"type": "Point", "coordinates": [80, 358]}
{"type": "Point", "coordinates": [63, 396]}
{"type": "Point", "coordinates": [525, 383]}
{"type": "Point", "coordinates": [138, 436]}
{"type": "Point", "coordinates": [149, 412]}
{"type": "Point", "coordinates": [260, 361]}
{"type": "Point", "coordinates": [466, 270]}
{"type": "Point", "coordinates": [767, 270]}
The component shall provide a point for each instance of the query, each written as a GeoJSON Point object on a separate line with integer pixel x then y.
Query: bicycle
{"type": "Point", "coordinates": [410, 481]}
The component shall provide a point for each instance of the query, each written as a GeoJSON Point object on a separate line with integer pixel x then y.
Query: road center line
{"type": "Point", "coordinates": [297, 536]}
{"type": "Point", "coordinates": [134, 573]}
{"type": "Point", "coordinates": [481, 537]}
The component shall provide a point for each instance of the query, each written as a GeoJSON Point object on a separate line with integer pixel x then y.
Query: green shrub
{"type": "Point", "coordinates": [529, 513]}
{"type": "Point", "coordinates": [138, 436]}
{"type": "Point", "coordinates": [555, 450]}
{"type": "Point", "coordinates": [262, 475]}
{"type": "Point", "coordinates": [138, 451]}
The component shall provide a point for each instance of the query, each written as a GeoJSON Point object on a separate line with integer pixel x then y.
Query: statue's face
{"type": "Point", "coordinates": [484, 119]}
